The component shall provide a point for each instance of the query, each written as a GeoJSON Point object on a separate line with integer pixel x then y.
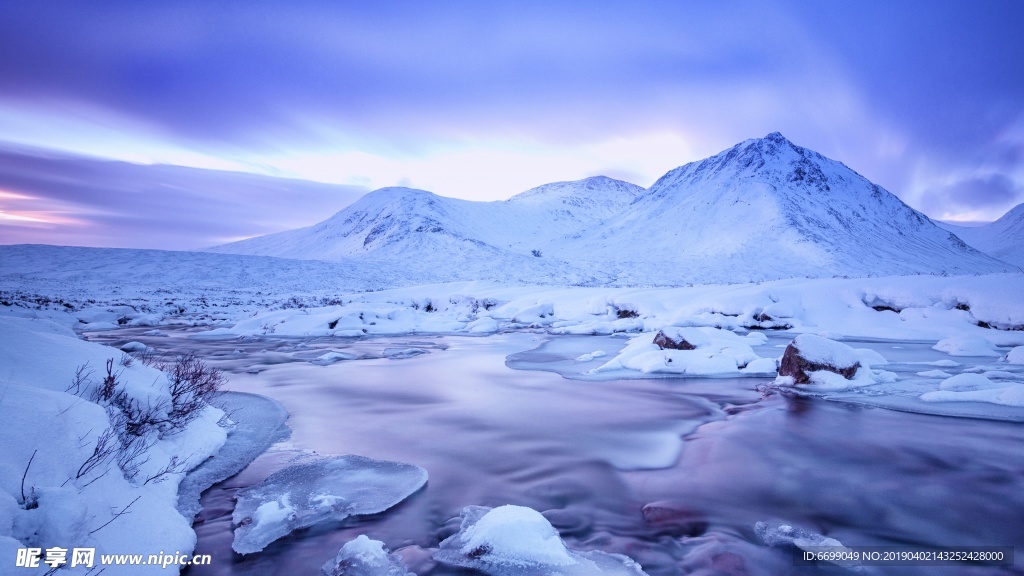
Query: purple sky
{"type": "Point", "coordinates": [482, 100]}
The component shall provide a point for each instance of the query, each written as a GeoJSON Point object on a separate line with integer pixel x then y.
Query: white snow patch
{"type": "Point", "coordinates": [965, 346]}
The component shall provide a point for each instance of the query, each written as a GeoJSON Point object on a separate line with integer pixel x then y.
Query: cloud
{"type": "Point", "coordinates": [910, 94]}
{"type": "Point", "coordinates": [976, 198]}
{"type": "Point", "coordinates": [55, 199]}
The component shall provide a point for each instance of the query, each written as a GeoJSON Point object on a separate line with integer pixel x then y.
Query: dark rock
{"type": "Point", "coordinates": [798, 367]}
{"type": "Point", "coordinates": [664, 341]}
{"type": "Point", "coordinates": [626, 313]}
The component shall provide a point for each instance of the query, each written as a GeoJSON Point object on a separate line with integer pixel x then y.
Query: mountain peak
{"type": "Point", "coordinates": [777, 137]}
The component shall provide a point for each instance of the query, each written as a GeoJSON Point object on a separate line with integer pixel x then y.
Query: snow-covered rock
{"type": "Point", "coordinates": [713, 352]}
{"type": "Point", "coordinates": [963, 345]}
{"type": "Point", "coordinates": [518, 541]}
{"type": "Point", "coordinates": [133, 347]}
{"type": "Point", "coordinates": [1015, 356]}
{"type": "Point", "coordinates": [306, 494]}
{"type": "Point", "coordinates": [966, 381]}
{"type": "Point", "coordinates": [808, 353]}
{"type": "Point", "coordinates": [674, 339]}
{"type": "Point", "coordinates": [365, 557]}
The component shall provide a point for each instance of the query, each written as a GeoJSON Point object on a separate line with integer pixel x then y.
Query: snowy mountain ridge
{"type": "Point", "coordinates": [763, 209]}
{"type": "Point", "coordinates": [1002, 239]}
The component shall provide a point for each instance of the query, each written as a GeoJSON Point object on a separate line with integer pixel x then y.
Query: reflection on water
{"type": "Point", "coordinates": [673, 473]}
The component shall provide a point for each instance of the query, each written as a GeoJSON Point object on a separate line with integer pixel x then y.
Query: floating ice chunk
{"type": "Point", "coordinates": [781, 534]}
{"type": "Point", "coordinates": [591, 355]}
{"type": "Point", "coordinates": [519, 541]}
{"type": "Point", "coordinates": [934, 374]}
{"type": "Point", "coordinates": [944, 363]}
{"type": "Point", "coordinates": [400, 353]}
{"type": "Point", "coordinates": [965, 346]}
{"type": "Point", "coordinates": [306, 494]}
{"type": "Point", "coordinates": [365, 557]}
{"type": "Point", "coordinates": [776, 534]}
{"type": "Point", "coordinates": [332, 357]}
{"type": "Point", "coordinates": [1015, 356]}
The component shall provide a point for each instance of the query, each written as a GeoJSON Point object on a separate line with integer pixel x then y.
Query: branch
{"type": "Point", "coordinates": [25, 474]}
{"type": "Point", "coordinates": [116, 516]}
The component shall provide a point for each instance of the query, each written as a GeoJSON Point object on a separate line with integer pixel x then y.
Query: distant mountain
{"type": "Point", "coordinates": [1002, 239]}
{"type": "Point", "coordinates": [764, 209]}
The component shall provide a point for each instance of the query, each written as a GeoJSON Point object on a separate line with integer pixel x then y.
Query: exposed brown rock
{"type": "Point", "coordinates": [795, 365]}
{"type": "Point", "coordinates": [664, 341]}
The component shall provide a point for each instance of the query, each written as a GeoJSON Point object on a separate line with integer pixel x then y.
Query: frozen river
{"type": "Point", "coordinates": [671, 472]}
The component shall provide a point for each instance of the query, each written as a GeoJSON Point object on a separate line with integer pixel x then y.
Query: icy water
{"type": "Point", "coordinates": [671, 472]}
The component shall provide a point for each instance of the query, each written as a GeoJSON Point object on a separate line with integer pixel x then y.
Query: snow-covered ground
{"type": "Point", "coordinates": [67, 478]}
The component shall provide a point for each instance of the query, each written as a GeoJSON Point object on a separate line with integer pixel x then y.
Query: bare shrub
{"type": "Point", "coordinates": [83, 377]}
{"type": "Point", "coordinates": [108, 387]}
{"type": "Point", "coordinates": [106, 447]}
{"type": "Point", "coordinates": [175, 465]}
{"type": "Point", "coordinates": [193, 385]}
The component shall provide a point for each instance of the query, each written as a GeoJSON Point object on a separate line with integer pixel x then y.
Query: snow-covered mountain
{"type": "Point", "coordinates": [763, 209]}
{"type": "Point", "coordinates": [1002, 239]}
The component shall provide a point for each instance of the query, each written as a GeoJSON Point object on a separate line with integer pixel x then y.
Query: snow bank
{"type": "Point", "coordinates": [892, 308]}
{"type": "Point", "coordinates": [365, 557]}
{"type": "Point", "coordinates": [519, 541]}
{"type": "Point", "coordinates": [75, 493]}
{"type": "Point", "coordinates": [306, 494]}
